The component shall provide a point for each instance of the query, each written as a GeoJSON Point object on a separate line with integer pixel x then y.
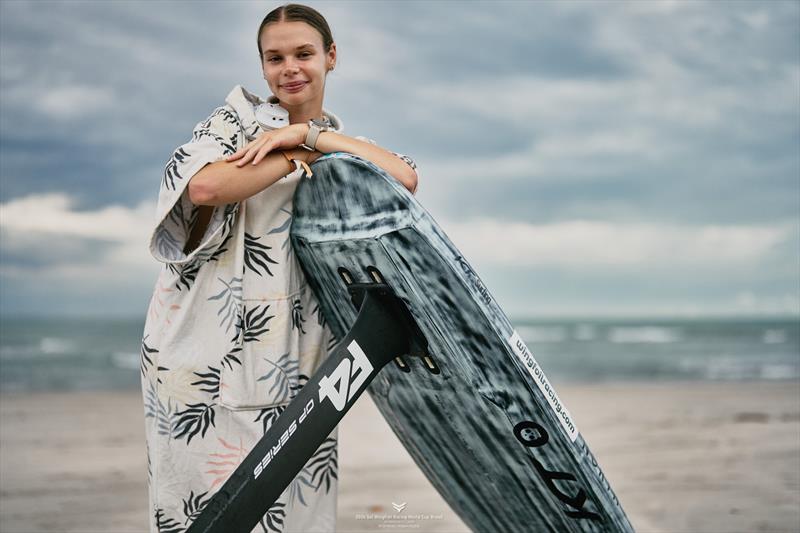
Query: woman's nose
{"type": "Point", "coordinates": [291, 66]}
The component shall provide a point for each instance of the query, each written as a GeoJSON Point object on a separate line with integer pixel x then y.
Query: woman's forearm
{"type": "Point", "coordinates": [223, 182]}
{"type": "Point", "coordinates": [329, 141]}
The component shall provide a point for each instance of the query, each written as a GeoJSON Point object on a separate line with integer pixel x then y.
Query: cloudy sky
{"type": "Point", "coordinates": [589, 158]}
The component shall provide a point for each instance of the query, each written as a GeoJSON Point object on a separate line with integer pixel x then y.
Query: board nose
{"type": "Point", "coordinates": [343, 198]}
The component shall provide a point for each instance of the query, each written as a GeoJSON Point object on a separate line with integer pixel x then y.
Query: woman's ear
{"type": "Point", "coordinates": [332, 57]}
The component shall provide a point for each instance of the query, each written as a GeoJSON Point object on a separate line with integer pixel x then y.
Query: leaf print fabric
{"type": "Point", "coordinates": [233, 332]}
{"type": "Point", "coordinates": [212, 140]}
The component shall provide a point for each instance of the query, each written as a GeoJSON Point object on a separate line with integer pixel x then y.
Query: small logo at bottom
{"type": "Point", "coordinates": [399, 506]}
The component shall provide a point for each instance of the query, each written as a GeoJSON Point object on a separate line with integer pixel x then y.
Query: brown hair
{"type": "Point", "coordinates": [297, 13]}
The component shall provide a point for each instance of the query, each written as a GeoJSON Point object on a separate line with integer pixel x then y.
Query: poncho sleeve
{"type": "Point", "coordinates": [212, 139]}
{"type": "Point", "coordinates": [404, 157]}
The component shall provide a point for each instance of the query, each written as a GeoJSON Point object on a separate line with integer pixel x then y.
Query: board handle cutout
{"type": "Point", "coordinates": [402, 365]}
{"type": "Point", "coordinates": [430, 364]}
{"type": "Point", "coordinates": [345, 275]}
{"type": "Point", "coordinates": [375, 274]}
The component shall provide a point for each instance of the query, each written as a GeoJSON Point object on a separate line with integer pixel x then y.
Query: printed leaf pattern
{"type": "Point", "coordinates": [283, 375]}
{"type": "Point", "coordinates": [323, 465]}
{"type": "Point", "coordinates": [222, 248]}
{"type": "Point", "coordinates": [186, 274]}
{"type": "Point", "coordinates": [160, 369]}
{"type": "Point", "coordinates": [320, 469]}
{"type": "Point", "coordinates": [301, 381]}
{"type": "Point", "coordinates": [223, 464]}
{"type": "Point", "coordinates": [272, 521]}
{"type": "Point", "coordinates": [297, 316]}
{"type": "Point", "coordinates": [158, 300]}
{"type": "Point", "coordinates": [209, 382]}
{"type": "Point", "coordinates": [171, 168]}
{"type": "Point", "coordinates": [332, 342]}
{"type": "Point", "coordinates": [318, 313]}
{"type": "Point", "coordinates": [154, 408]}
{"type": "Point", "coordinates": [166, 242]}
{"type": "Point", "coordinates": [214, 137]}
{"type": "Point", "coordinates": [231, 298]}
{"type": "Point", "coordinates": [149, 465]}
{"type": "Point", "coordinates": [255, 255]}
{"type": "Point", "coordinates": [146, 353]}
{"type": "Point", "coordinates": [296, 488]}
{"type": "Point", "coordinates": [255, 323]}
{"type": "Point", "coordinates": [206, 130]}
{"type": "Point", "coordinates": [282, 228]}
{"type": "Point", "coordinates": [193, 506]}
{"type": "Point", "coordinates": [232, 356]}
{"type": "Point", "coordinates": [166, 525]}
{"type": "Point", "coordinates": [268, 416]}
{"type": "Point", "coordinates": [196, 418]}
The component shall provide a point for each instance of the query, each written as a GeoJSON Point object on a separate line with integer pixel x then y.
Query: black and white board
{"type": "Point", "coordinates": [470, 403]}
{"type": "Point", "coordinates": [419, 330]}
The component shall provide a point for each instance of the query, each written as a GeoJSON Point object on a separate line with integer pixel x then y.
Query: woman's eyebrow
{"type": "Point", "coordinates": [298, 48]}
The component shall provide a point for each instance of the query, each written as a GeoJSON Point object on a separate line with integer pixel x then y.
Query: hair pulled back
{"type": "Point", "coordinates": [297, 13]}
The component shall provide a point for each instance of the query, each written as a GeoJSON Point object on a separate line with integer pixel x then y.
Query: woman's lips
{"type": "Point", "coordinates": [294, 87]}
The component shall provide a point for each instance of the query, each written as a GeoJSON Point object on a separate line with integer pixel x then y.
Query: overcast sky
{"type": "Point", "coordinates": [589, 158]}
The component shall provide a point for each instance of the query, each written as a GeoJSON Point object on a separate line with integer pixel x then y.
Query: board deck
{"type": "Point", "coordinates": [479, 416]}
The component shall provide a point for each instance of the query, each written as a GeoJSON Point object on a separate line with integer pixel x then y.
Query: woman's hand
{"type": "Point", "coordinates": [287, 137]}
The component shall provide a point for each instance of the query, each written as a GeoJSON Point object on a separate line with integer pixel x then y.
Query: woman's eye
{"type": "Point", "coordinates": [277, 58]}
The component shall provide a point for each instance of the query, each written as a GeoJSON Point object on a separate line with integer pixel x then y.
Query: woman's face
{"type": "Point", "coordinates": [295, 63]}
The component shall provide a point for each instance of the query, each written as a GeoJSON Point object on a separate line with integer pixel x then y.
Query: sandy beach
{"type": "Point", "coordinates": [681, 457]}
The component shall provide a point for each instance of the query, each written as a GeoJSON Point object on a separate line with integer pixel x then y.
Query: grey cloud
{"type": "Point", "coordinates": [95, 176]}
{"type": "Point", "coordinates": [36, 252]}
{"type": "Point", "coordinates": [712, 86]}
{"type": "Point", "coordinates": [683, 192]}
{"type": "Point", "coordinates": [496, 39]}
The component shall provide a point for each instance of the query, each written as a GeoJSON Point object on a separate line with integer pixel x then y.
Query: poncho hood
{"type": "Point", "coordinates": [257, 114]}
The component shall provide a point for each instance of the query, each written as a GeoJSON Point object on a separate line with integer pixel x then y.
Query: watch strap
{"type": "Point", "coordinates": [311, 137]}
{"type": "Point", "coordinates": [315, 127]}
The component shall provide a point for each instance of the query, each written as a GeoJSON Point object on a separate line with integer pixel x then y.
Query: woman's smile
{"type": "Point", "coordinates": [295, 86]}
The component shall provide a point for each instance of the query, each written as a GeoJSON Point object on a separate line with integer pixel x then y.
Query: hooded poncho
{"type": "Point", "coordinates": [232, 332]}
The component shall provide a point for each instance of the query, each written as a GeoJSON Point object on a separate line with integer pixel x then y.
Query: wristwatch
{"type": "Point", "coordinates": [315, 127]}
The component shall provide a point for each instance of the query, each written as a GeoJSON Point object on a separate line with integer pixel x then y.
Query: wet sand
{"type": "Point", "coordinates": [681, 457]}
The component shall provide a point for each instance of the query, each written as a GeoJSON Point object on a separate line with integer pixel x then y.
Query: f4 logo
{"type": "Point", "coordinates": [347, 379]}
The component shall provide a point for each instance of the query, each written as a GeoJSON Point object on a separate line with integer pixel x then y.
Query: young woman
{"type": "Point", "coordinates": [233, 329]}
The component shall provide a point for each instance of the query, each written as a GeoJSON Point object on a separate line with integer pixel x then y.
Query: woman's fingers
{"type": "Point", "coordinates": [262, 153]}
{"type": "Point", "coordinates": [258, 149]}
{"type": "Point", "coordinates": [234, 156]}
{"type": "Point", "coordinates": [246, 156]}
{"type": "Point", "coordinates": [242, 151]}
{"type": "Point", "coordinates": [247, 150]}
{"type": "Point", "coordinates": [250, 153]}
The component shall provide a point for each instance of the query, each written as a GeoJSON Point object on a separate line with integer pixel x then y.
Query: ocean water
{"type": "Point", "coordinates": [69, 354]}
{"type": "Point", "coordinates": [83, 354]}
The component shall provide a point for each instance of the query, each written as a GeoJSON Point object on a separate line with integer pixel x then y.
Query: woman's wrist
{"type": "Point", "coordinates": [298, 158]}
{"type": "Point", "coordinates": [302, 130]}
{"type": "Point", "coordinates": [297, 153]}
{"type": "Point", "coordinates": [302, 154]}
